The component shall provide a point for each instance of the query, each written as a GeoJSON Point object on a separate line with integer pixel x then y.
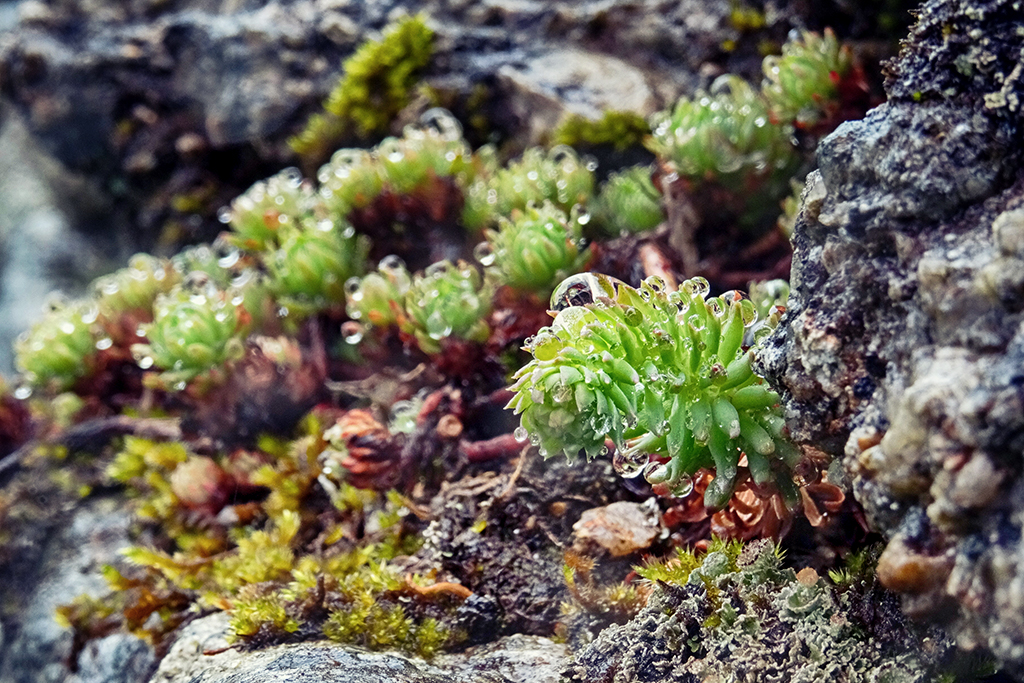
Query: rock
{"type": "Point", "coordinates": [551, 86]}
{"type": "Point", "coordinates": [618, 529]}
{"type": "Point", "coordinates": [903, 345]}
{"type": "Point", "coordinates": [37, 649]}
{"type": "Point", "coordinates": [756, 621]}
{"type": "Point", "coordinates": [507, 544]}
{"type": "Point", "coordinates": [200, 655]}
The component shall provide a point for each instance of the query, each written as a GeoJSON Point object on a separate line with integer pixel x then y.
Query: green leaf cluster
{"type": "Point", "coordinates": [665, 375]}
{"type": "Point", "coordinates": [536, 248]}
{"type": "Point", "coordinates": [628, 202]}
{"type": "Point", "coordinates": [557, 175]}
{"type": "Point", "coordinates": [802, 84]}
{"type": "Point", "coordinates": [57, 350]}
{"type": "Point", "coordinates": [733, 133]}
{"type": "Point", "coordinates": [194, 329]}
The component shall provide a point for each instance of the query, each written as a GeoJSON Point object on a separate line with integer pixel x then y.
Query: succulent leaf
{"type": "Point", "coordinates": [660, 373]}
{"type": "Point", "coordinates": [537, 248]}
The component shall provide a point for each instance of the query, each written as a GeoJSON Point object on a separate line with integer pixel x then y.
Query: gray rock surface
{"type": "Point", "coordinates": [903, 346]}
{"type": "Point", "coordinates": [36, 649]}
{"type": "Point", "coordinates": [201, 655]}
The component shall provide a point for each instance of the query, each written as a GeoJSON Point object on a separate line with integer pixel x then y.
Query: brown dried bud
{"type": "Point", "coordinates": [370, 454]}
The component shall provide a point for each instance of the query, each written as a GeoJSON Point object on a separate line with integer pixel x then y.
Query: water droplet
{"type": "Point", "coordinates": [629, 464]}
{"type": "Point", "coordinates": [67, 327]}
{"type": "Point", "coordinates": [682, 487]}
{"type": "Point", "coordinates": [391, 264]}
{"type": "Point", "coordinates": [352, 332]}
{"type": "Point", "coordinates": [582, 289]}
{"type": "Point", "coordinates": [229, 259]}
{"type": "Point", "coordinates": [282, 312]}
{"type": "Point", "coordinates": [442, 122]}
{"type": "Point", "coordinates": [104, 344]}
{"type": "Point", "coordinates": [656, 472]}
{"type": "Point", "coordinates": [224, 215]}
{"type": "Point", "coordinates": [520, 434]}
{"type": "Point", "coordinates": [23, 392]}
{"type": "Point", "coordinates": [484, 253]}
{"type": "Point", "coordinates": [179, 386]}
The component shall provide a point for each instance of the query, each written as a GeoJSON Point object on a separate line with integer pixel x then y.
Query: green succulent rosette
{"type": "Point", "coordinates": [557, 175]}
{"type": "Point", "coordinates": [536, 249]}
{"type": "Point", "coordinates": [665, 375]}
{"type": "Point", "coordinates": [258, 216]}
{"type": "Point", "coordinates": [376, 298]}
{"type": "Point", "coordinates": [726, 134]}
{"type": "Point", "coordinates": [56, 351]}
{"type": "Point", "coordinates": [803, 83]}
{"type": "Point", "coordinates": [350, 180]}
{"type": "Point", "coordinates": [309, 271]}
{"type": "Point", "coordinates": [195, 330]}
{"type": "Point", "coordinates": [432, 149]}
{"type": "Point", "coordinates": [448, 300]}
{"type": "Point", "coordinates": [135, 287]}
{"type": "Point", "coordinates": [629, 202]}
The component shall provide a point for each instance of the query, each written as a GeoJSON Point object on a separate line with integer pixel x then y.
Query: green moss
{"type": "Point", "coordinates": [377, 82]}
{"type": "Point", "coordinates": [618, 129]}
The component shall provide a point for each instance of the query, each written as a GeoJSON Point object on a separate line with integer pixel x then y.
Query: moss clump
{"type": "Point", "coordinates": [376, 85]}
{"type": "Point", "coordinates": [618, 129]}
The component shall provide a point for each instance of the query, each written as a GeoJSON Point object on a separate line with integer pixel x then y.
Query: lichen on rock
{"type": "Point", "coordinates": [902, 347]}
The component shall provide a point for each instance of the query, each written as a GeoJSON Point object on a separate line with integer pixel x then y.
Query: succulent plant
{"type": "Point", "coordinates": [535, 249]}
{"type": "Point", "coordinates": [257, 216]}
{"type": "Point", "coordinates": [558, 175]}
{"type": "Point", "coordinates": [802, 84]}
{"type": "Point", "coordinates": [310, 269]}
{"type": "Point", "coordinates": [135, 287]}
{"type": "Point", "coordinates": [725, 134]}
{"type": "Point", "coordinates": [663, 374]}
{"type": "Point", "coordinates": [432, 149]}
{"type": "Point", "coordinates": [194, 329]}
{"type": "Point", "coordinates": [56, 351]}
{"type": "Point", "coordinates": [448, 300]}
{"type": "Point", "coordinates": [435, 148]}
{"type": "Point", "coordinates": [629, 202]}
{"type": "Point", "coordinates": [376, 298]}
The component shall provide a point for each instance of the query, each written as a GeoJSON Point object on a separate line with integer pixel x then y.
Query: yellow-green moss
{"type": "Point", "coordinates": [377, 82]}
{"type": "Point", "coordinates": [618, 129]}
